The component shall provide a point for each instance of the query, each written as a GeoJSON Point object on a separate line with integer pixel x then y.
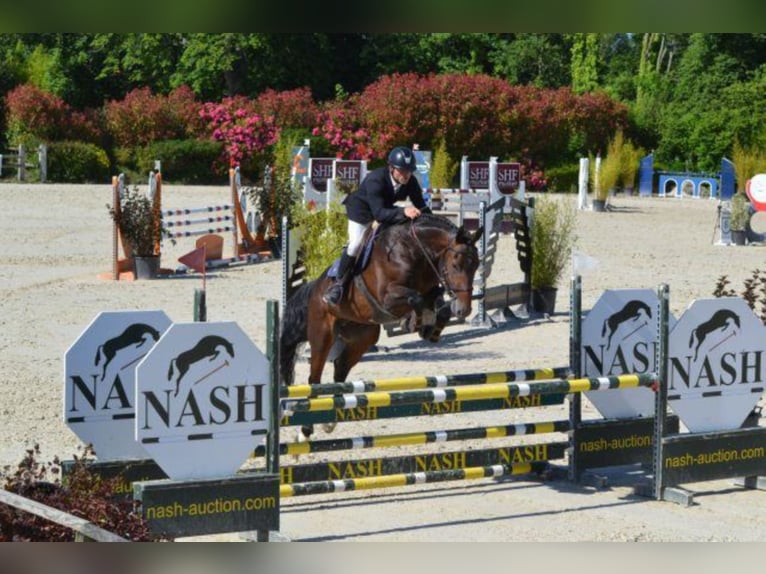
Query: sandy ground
{"type": "Point", "coordinates": [57, 238]}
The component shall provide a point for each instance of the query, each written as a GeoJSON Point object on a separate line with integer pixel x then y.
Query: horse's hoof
{"type": "Point", "coordinates": [329, 427]}
{"type": "Point", "coordinates": [304, 434]}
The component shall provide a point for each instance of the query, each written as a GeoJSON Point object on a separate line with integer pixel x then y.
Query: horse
{"type": "Point", "coordinates": [409, 266]}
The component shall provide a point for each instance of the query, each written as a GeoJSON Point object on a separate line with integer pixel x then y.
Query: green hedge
{"type": "Point", "coordinates": [77, 162]}
{"type": "Point", "coordinates": [563, 178]}
{"type": "Point", "coordinates": [189, 162]}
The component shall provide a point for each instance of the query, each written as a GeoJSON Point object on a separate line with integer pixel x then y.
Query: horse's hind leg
{"type": "Point", "coordinates": [358, 339]}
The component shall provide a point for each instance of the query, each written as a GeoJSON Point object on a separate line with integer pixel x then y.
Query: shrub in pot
{"type": "Point", "coordinates": [553, 236]}
{"type": "Point", "coordinates": [740, 215]}
{"type": "Point", "coordinates": [140, 226]}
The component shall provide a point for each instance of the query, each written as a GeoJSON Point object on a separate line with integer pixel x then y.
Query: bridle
{"type": "Point", "coordinates": [441, 276]}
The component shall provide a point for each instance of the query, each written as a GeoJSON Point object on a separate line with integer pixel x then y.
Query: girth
{"type": "Point", "coordinates": [379, 314]}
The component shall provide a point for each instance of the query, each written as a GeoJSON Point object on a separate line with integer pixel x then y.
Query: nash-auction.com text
{"type": "Point", "coordinates": [719, 456]}
{"type": "Point", "coordinates": [217, 506]}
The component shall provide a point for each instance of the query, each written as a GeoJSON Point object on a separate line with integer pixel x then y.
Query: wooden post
{"type": "Point", "coordinates": [115, 231]}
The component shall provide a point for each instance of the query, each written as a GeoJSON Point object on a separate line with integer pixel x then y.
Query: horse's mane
{"type": "Point", "coordinates": [431, 220]}
{"type": "Point", "coordinates": [425, 221]}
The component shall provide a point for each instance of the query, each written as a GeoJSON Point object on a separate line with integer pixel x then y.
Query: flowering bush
{"type": "Point", "coordinates": [339, 123]}
{"type": "Point", "coordinates": [243, 132]}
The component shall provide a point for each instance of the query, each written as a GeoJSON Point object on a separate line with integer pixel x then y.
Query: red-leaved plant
{"type": "Point", "coordinates": [85, 495]}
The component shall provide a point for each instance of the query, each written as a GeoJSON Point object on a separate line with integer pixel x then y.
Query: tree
{"type": "Point", "coordinates": [541, 60]}
{"type": "Point", "coordinates": [584, 62]}
{"type": "Point", "coordinates": [695, 131]}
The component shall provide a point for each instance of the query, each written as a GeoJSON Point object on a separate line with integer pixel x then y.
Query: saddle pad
{"type": "Point", "coordinates": [361, 262]}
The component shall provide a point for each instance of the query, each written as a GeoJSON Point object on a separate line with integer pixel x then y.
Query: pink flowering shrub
{"type": "Point", "coordinates": [340, 124]}
{"type": "Point", "coordinates": [244, 133]}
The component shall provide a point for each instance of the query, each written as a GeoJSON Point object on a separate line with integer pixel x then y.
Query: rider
{"type": "Point", "coordinates": [374, 201]}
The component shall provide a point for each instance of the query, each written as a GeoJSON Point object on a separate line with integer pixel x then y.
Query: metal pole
{"type": "Point", "coordinates": [272, 437]}
{"type": "Point", "coordinates": [286, 259]}
{"type": "Point", "coordinates": [482, 310]}
{"type": "Point", "coordinates": [200, 306]}
{"type": "Point", "coordinates": [272, 352]}
{"type": "Point", "coordinates": [575, 367]}
{"type": "Point", "coordinates": [661, 394]}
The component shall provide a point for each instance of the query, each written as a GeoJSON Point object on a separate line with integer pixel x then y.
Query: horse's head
{"type": "Point", "coordinates": [458, 265]}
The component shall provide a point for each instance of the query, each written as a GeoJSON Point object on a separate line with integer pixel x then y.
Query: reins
{"type": "Point", "coordinates": [442, 277]}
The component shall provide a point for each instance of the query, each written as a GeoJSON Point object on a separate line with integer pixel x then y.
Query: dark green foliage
{"type": "Point", "coordinates": [323, 234]}
{"type": "Point", "coordinates": [563, 178]}
{"type": "Point", "coordinates": [84, 495]}
{"type": "Point", "coordinates": [77, 162]}
{"type": "Point", "coordinates": [189, 161]}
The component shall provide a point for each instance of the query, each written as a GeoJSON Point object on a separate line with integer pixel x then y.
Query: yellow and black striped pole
{"type": "Point", "coordinates": [469, 393]}
{"type": "Point", "coordinates": [405, 479]}
{"type": "Point", "coordinates": [409, 383]}
{"type": "Point", "coordinates": [418, 438]}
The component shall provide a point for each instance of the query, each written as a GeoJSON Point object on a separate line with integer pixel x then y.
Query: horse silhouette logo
{"type": "Point", "coordinates": [210, 348]}
{"type": "Point", "coordinates": [635, 311]}
{"type": "Point", "coordinates": [137, 334]}
{"type": "Point", "coordinates": [725, 321]}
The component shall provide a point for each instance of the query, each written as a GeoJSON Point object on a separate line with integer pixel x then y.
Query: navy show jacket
{"type": "Point", "coordinates": [375, 198]}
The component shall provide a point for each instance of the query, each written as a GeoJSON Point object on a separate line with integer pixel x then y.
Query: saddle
{"type": "Point", "coordinates": [368, 242]}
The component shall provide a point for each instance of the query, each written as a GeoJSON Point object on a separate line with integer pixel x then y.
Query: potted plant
{"type": "Point", "coordinates": [140, 227]}
{"type": "Point", "coordinates": [608, 175]}
{"type": "Point", "coordinates": [738, 220]}
{"type": "Point", "coordinates": [629, 164]}
{"type": "Point", "coordinates": [553, 236]}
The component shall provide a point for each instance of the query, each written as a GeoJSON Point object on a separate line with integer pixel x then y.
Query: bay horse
{"type": "Point", "coordinates": [409, 266]}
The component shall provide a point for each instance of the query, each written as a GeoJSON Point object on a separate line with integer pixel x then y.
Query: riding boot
{"type": "Point", "coordinates": [334, 293]}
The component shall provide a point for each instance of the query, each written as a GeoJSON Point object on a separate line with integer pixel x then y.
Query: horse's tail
{"type": "Point", "coordinates": [98, 354]}
{"type": "Point", "coordinates": [294, 331]}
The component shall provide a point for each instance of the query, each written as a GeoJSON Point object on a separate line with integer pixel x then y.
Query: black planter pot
{"type": "Point", "coordinates": [544, 300]}
{"type": "Point", "coordinates": [146, 267]}
{"type": "Point", "coordinates": [599, 205]}
{"type": "Point", "coordinates": [738, 236]}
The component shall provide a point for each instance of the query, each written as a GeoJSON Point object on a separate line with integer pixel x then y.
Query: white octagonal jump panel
{"type": "Point", "coordinates": [619, 337]}
{"type": "Point", "coordinates": [99, 380]}
{"type": "Point", "coordinates": [717, 366]}
{"type": "Point", "coordinates": [202, 400]}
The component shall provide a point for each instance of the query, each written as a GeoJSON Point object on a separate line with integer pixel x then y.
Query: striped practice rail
{"type": "Point", "coordinates": [411, 383]}
{"type": "Point", "coordinates": [188, 211]}
{"type": "Point", "coordinates": [199, 221]}
{"type": "Point", "coordinates": [416, 438]}
{"type": "Point", "coordinates": [470, 393]}
{"type": "Point", "coordinates": [396, 480]}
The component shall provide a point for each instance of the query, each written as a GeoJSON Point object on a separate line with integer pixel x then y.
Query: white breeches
{"type": "Point", "coordinates": [355, 235]}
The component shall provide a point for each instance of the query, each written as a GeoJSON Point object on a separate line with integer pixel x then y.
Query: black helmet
{"type": "Point", "coordinates": [402, 158]}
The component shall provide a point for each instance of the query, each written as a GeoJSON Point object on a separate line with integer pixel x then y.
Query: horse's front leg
{"type": "Point", "coordinates": [397, 296]}
{"type": "Point", "coordinates": [431, 330]}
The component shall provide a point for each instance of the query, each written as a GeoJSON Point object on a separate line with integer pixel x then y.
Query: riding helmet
{"type": "Point", "coordinates": [402, 158]}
